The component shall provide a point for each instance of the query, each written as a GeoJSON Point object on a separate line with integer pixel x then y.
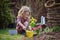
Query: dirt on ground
{"type": "Point", "coordinates": [48, 36]}
{"type": "Point", "coordinates": [44, 36]}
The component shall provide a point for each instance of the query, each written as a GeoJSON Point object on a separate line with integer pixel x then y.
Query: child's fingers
{"type": "Point", "coordinates": [24, 28]}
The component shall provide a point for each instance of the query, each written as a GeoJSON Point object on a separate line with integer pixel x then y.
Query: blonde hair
{"type": "Point", "coordinates": [24, 8]}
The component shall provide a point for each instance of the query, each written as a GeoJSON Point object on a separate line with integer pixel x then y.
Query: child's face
{"type": "Point", "coordinates": [26, 14]}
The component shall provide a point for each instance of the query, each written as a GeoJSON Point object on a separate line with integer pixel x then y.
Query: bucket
{"type": "Point", "coordinates": [29, 34]}
{"type": "Point", "coordinates": [12, 32]}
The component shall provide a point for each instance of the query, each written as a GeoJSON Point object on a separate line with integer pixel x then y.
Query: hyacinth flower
{"type": "Point", "coordinates": [33, 25]}
{"type": "Point", "coordinates": [33, 22]}
{"type": "Point", "coordinates": [37, 29]}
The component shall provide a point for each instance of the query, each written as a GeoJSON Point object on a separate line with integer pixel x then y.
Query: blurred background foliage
{"type": "Point", "coordinates": [9, 10]}
{"type": "Point", "coordinates": [6, 16]}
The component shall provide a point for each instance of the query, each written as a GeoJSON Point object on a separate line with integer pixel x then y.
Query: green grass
{"type": "Point", "coordinates": [53, 29]}
{"type": "Point", "coordinates": [4, 35]}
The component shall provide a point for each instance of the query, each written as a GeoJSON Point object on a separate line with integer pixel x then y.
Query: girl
{"type": "Point", "coordinates": [23, 20]}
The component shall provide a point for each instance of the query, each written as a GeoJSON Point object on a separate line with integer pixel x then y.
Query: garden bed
{"type": "Point", "coordinates": [48, 36]}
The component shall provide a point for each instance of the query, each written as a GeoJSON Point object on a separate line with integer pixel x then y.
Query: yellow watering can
{"type": "Point", "coordinates": [29, 33]}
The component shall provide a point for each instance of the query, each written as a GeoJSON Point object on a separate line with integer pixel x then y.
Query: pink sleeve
{"type": "Point", "coordinates": [18, 19]}
{"type": "Point", "coordinates": [19, 22]}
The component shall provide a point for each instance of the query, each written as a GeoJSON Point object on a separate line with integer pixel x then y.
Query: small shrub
{"type": "Point", "coordinates": [56, 29]}
{"type": "Point", "coordinates": [6, 16]}
{"type": "Point", "coordinates": [53, 29]}
{"type": "Point", "coordinates": [47, 29]}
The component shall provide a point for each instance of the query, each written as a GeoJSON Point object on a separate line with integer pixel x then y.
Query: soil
{"type": "Point", "coordinates": [48, 36]}
{"type": "Point", "coordinates": [45, 36]}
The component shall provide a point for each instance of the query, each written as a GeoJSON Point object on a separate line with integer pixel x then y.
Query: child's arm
{"type": "Point", "coordinates": [27, 25]}
{"type": "Point", "coordinates": [19, 22]}
{"type": "Point", "coordinates": [21, 25]}
{"type": "Point", "coordinates": [30, 28]}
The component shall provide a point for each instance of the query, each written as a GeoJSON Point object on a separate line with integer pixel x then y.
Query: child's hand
{"type": "Point", "coordinates": [30, 28]}
{"type": "Point", "coordinates": [24, 28]}
{"type": "Point", "coordinates": [16, 27]}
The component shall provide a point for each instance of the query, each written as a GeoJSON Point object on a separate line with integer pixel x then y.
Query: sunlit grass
{"type": "Point", "coordinates": [4, 35]}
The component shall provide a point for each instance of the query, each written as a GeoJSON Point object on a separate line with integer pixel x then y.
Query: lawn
{"type": "Point", "coordinates": [4, 35]}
